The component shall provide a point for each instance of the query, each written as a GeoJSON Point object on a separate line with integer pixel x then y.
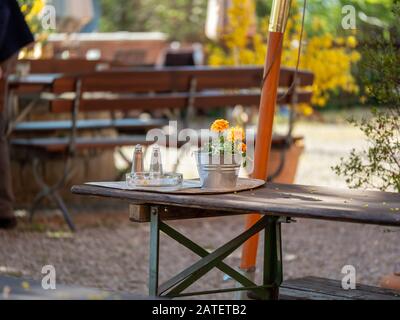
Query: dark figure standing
{"type": "Point", "coordinates": [14, 35]}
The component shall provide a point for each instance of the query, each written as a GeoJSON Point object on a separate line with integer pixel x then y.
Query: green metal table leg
{"type": "Point", "coordinates": [272, 277]}
{"type": "Point", "coordinates": [184, 279]}
{"type": "Point", "coordinates": [154, 251]}
{"type": "Point", "coordinates": [203, 253]}
{"type": "Point", "coordinates": [272, 258]}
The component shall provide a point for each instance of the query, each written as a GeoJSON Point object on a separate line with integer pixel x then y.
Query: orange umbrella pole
{"type": "Point", "coordinates": [279, 15]}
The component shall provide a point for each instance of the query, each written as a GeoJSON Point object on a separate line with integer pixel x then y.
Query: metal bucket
{"type": "Point", "coordinates": [218, 171]}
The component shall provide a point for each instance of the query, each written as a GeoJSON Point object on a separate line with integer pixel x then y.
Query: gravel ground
{"type": "Point", "coordinates": [110, 253]}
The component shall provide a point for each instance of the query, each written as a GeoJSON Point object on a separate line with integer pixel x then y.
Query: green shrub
{"type": "Point", "coordinates": [378, 166]}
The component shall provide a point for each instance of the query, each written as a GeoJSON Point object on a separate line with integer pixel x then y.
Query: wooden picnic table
{"type": "Point", "coordinates": [277, 203]}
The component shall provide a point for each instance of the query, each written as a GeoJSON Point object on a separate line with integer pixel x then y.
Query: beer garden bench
{"type": "Point", "coordinates": [309, 288]}
{"type": "Point", "coordinates": [25, 288]}
{"type": "Point", "coordinates": [165, 93]}
{"type": "Point", "coordinates": [75, 65]}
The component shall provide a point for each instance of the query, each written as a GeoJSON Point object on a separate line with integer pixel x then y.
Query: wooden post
{"type": "Point", "coordinates": [278, 20]}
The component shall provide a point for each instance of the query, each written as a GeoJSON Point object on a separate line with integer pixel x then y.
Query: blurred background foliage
{"type": "Point", "coordinates": [181, 20]}
{"type": "Point", "coordinates": [328, 50]}
{"type": "Point", "coordinates": [31, 10]}
{"type": "Point", "coordinates": [378, 164]}
{"type": "Point", "coordinates": [328, 56]}
{"type": "Point", "coordinates": [372, 14]}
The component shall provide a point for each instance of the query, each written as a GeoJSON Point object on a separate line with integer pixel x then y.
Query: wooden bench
{"type": "Point", "coordinates": [49, 69]}
{"type": "Point", "coordinates": [75, 65]}
{"type": "Point", "coordinates": [47, 127]}
{"type": "Point", "coordinates": [167, 93]}
{"type": "Point", "coordinates": [314, 288]}
{"type": "Point", "coordinates": [172, 89]}
{"type": "Point", "coordinates": [309, 288]}
{"type": "Point", "coordinates": [23, 288]}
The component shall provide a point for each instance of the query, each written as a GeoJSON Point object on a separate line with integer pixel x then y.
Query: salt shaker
{"type": "Point", "coordinates": [156, 163]}
{"type": "Point", "coordinates": [137, 163]}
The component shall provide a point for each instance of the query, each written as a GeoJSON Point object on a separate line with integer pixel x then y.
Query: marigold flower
{"type": "Point", "coordinates": [220, 125]}
{"type": "Point", "coordinates": [243, 147]}
{"type": "Point", "coordinates": [236, 134]}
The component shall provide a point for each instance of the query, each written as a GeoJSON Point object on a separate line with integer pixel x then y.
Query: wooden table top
{"type": "Point", "coordinates": [369, 207]}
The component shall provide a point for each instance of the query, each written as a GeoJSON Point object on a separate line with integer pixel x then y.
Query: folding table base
{"type": "Point", "coordinates": [51, 193]}
{"type": "Point", "coordinates": [272, 273]}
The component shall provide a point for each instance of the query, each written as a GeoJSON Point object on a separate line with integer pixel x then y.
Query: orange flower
{"type": "Point", "coordinates": [220, 125]}
{"type": "Point", "coordinates": [244, 147]}
{"type": "Point", "coordinates": [236, 134]}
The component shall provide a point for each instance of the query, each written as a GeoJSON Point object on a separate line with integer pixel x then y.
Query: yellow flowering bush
{"type": "Point", "coordinates": [31, 10]}
{"type": "Point", "coordinates": [235, 39]}
{"type": "Point", "coordinates": [328, 58]}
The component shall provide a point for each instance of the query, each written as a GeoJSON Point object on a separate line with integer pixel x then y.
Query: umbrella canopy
{"type": "Point", "coordinates": [72, 15]}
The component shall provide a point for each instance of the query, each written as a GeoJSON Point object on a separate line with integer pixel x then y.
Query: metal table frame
{"type": "Point", "coordinates": [173, 288]}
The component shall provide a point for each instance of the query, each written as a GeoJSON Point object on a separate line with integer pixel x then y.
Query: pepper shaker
{"type": "Point", "coordinates": [137, 163]}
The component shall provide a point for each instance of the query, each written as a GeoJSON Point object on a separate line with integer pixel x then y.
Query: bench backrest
{"type": "Point", "coordinates": [175, 88]}
{"type": "Point", "coordinates": [64, 66]}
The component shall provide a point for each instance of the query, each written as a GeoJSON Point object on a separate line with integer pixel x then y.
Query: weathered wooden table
{"type": "Point", "coordinates": [277, 203]}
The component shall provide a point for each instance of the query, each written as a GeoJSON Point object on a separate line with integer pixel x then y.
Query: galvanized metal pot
{"type": "Point", "coordinates": [218, 171]}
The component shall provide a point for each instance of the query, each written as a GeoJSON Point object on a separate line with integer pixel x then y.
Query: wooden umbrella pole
{"type": "Point", "coordinates": [278, 20]}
